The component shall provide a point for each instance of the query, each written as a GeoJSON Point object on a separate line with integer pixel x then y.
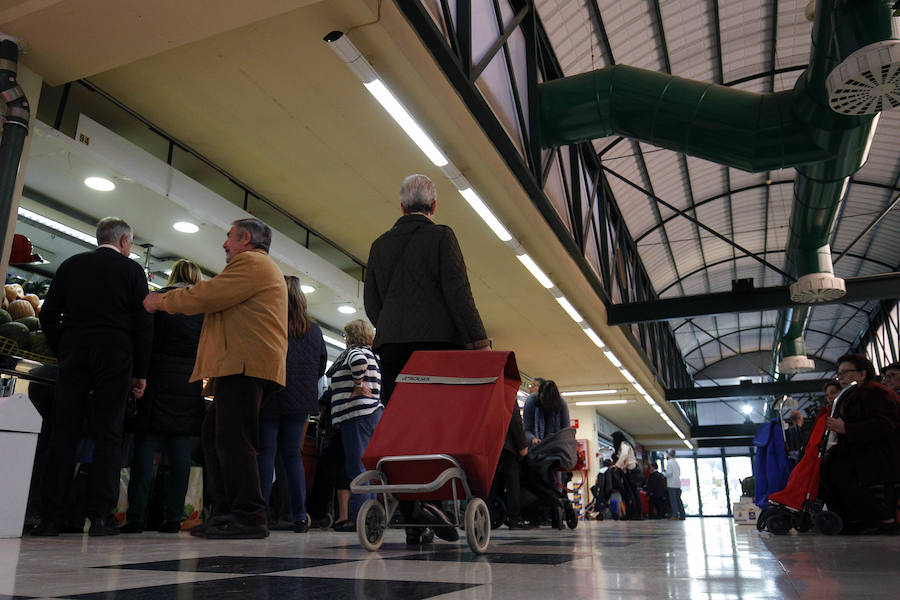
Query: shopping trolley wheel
{"type": "Point", "coordinates": [371, 523]}
{"type": "Point", "coordinates": [763, 518]}
{"type": "Point", "coordinates": [478, 525]}
{"type": "Point", "coordinates": [802, 521]}
{"type": "Point", "coordinates": [829, 523]}
{"type": "Point", "coordinates": [779, 523]}
{"type": "Point", "coordinates": [571, 516]}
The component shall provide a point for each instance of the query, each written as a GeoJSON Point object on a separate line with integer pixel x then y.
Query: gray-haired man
{"type": "Point", "coordinates": [103, 343]}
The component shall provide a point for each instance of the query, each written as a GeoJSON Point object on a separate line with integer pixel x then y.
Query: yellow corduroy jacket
{"type": "Point", "coordinates": [245, 323]}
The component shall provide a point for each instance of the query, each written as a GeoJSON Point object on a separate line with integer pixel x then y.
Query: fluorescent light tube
{"type": "Point", "coordinates": [627, 374]}
{"type": "Point", "coordinates": [56, 226]}
{"type": "Point", "coordinates": [658, 409]}
{"type": "Point", "coordinates": [535, 270]}
{"type": "Point", "coordinates": [640, 389]}
{"type": "Point", "coordinates": [612, 358]}
{"type": "Point", "coordinates": [594, 337]}
{"type": "Point", "coordinates": [336, 343]}
{"type": "Point", "coordinates": [567, 306]}
{"type": "Point", "coordinates": [590, 392]}
{"type": "Point", "coordinates": [405, 121]}
{"type": "Point", "coordinates": [487, 216]}
{"type": "Point", "coordinates": [688, 444]}
{"type": "Point", "coordinates": [600, 402]}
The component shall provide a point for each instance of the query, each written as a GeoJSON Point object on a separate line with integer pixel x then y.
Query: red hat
{"type": "Point", "coordinates": [22, 251]}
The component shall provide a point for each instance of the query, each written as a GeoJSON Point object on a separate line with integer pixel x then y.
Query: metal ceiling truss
{"type": "Point", "coordinates": [746, 390]}
{"type": "Point", "coordinates": [595, 229]}
{"type": "Point", "coordinates": [885, 316]}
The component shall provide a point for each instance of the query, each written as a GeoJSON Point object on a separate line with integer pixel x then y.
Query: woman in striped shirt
{"type": "Point", "coordinates": [355, 404]}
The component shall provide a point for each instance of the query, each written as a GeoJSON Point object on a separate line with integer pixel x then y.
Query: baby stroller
{"type": "Point", "coordinates": [798, 505]}
{"type": "Point", "coordinates": [539, 496]}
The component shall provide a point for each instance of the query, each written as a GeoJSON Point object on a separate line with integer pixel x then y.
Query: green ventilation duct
{"type": "Point", "coordinates": [854, 70]}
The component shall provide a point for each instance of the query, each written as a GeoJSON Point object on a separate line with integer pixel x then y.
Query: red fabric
{"type": "Point", "coordinates": [468, 422]}
{"type": "Point", "coordinates": [804, 479]}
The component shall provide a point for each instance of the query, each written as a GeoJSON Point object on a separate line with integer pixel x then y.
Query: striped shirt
{"type": "Point", "coordinates": [360, 366]}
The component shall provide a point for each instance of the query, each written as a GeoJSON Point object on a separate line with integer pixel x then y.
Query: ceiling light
{"type": "Point", "coordinates": [355, 61]}
{"type": "Point", "coordinates": [590, 392]}
{"type": "Point", "coordinates": [56, 226]}
{"type": "Point", "coordinates": [101, 184]}
{"type": "Point", "coordinates": [640, 389]}
{"type": "Point", "coordinates": [535, 270]}
{"type": "Point", "coordinates": [307, 289]}
{"type": "Point", "coordinates": [486, 215]}
{"type": "Point", "coordinates": [612, 358]}
{"type": "Point", "coordinates": [688, 444]}
{"type": "Point", "coordinates": [746, 409]}
{"type": "Point", "coordinates": [658, 409]}
{"type": "Point", "coordinates": [185, 227]}
{"type": "Point", "coordinates": [627, 375]}
{"type": "Point", "coordinates": [567, 306]}
{"type": "Point", "coordinates": [334, 342]}
{"type": "Point", "coordinates": [594, 337]}
{"type": "Point", "coordinates": [600, 402]}
{"type": "Point", "coordinates": [346, 309]}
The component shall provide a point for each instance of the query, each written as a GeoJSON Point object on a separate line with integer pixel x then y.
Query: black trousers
{"type": "Point", "coordinates": [659, 507]}
{"type": "Point", "coordinates": [104, 371]}
{"type": "Point", "coordinates": [392, 358]}
{"type": "Point", "coordinates": [840, 488]}
{"type": "Point", "coordinates": [230, 438]}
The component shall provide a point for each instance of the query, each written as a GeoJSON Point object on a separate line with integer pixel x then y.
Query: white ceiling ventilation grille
{"type": "Point", "coordinates": [817, 287]}
{"type": "Point", "coordinates": [868, 81]}
{"type": "Point", "coordinates": [796, 364]}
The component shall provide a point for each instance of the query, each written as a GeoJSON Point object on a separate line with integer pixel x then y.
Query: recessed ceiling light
{"type": "Point", "coordinates": [590, 392]}
{"type": "Point", "coordinates": [101, 184]}
{"type": "Point", "coordinates": [185, 227]}
{"type": "Point", "coordinates": [307, 289]}
{"type": "Point", "coordinates": [746, 409]}
{"type": "Point", "coordinates": [346, 309]}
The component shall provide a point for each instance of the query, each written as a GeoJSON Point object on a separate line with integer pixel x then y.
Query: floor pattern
{"type": "Point", "coordinates": [697, 558]}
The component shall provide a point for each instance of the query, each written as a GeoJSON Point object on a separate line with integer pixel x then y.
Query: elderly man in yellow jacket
{"type": "Point", "coordinates": [243, 347]}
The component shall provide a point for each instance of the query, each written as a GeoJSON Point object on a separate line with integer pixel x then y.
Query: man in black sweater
{"type": "Point", "coordinates": [94, 320]}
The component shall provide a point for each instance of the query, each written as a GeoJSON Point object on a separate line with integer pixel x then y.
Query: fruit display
{"type": "Point", "coordinates": [20, 329]}
{"type": "Point", "coordinates": [20, 308]}
{"type": "Point", "coordinates": [18, 333]}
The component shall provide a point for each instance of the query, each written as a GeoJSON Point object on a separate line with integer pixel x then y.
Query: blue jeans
{"type": "Point", "coordinates": [676, 508]}
{"type": "Point", "coordinates": [284, 434]}
{"type": "Point", "coordinates": [355, 435]}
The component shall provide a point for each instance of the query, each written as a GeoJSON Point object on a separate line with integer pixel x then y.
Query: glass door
{"type": "Point", "coordinates": [739, 467]}
{"type": "Point", "coordinates": [688, 486]}
{"type": "Point", "coordinates": [711, 480]}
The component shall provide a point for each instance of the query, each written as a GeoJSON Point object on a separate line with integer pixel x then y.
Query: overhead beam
{"type": "Point", "coordinates": [745, 390]}
{"type": "Point", "coordinates": [864, 288]}
{"type": "Point", "coordinates": [725, 442]}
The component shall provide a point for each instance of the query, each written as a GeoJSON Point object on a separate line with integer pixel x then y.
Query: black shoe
{"type": "Point", "coordinates": [235, 530]}
{"type": "Point", "coordinates": [344, 526]}
{"type": "Point", "coordinates": [103, 526]}
{"type": "Point", "coordinates": [517, 524]}
{"type": "Point", "coordinates": [416, 536]}
{"type": "Point", "coordinates": [301, 526]}
{"type": "Point", "coordinates": [45, 529]}
{"type": "Point", "coordinates": [200, 530]}
{"type": "Point", "coordinates": [443, 528]}
{"type": "Point", "coordinates": [132, 527]}
{"type": "Point", "coordinates": [167, 527]}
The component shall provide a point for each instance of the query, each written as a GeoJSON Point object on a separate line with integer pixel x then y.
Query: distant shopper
{"type": "Point", "coordinates": [544, 413]}
{"type": "Point", "coordinates": [891, 376]}
{"type": "Point", "coordinates": [283, 417]}
{"type": "Point", "coordinates": [626, 463]}
{"type": "Point", "coordinates": [673, 485]}
{"type": "Point", "coordinates": [170, 412]}
{"type": "Point", "coordinates": [355, 405]}
{"type": "Point", "coordinates": [243, 349]}
{"type": "Point", "coordinates": [657, 492]}
{"type": "Point", "coordinates": [417, 291]}
{"type": "Point", "coordinates": [831, 391]}
{"type": "Point", "coordinates": [103, 344]}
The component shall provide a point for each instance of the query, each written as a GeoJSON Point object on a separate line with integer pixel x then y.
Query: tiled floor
{"type": "Point", "coordinates": [697, 558]}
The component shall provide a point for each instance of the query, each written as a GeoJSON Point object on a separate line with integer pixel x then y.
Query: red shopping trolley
{"type": "Point", "coordinates": [439, 439]}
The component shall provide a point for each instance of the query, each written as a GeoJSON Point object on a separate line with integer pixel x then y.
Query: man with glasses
{"type": "Point", "coordinates": [890, 376]}
{"type": "Point", "coordinates": [867, 453]}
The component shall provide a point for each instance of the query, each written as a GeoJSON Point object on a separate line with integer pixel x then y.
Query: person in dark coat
{"type": "Point", "coordinates": [508, 475]}
{"type": "Point", "coordinates": [867, 452]}
{"type": "Point", "coordinates": [103, 343]}
{"type": "Point", "coordinates": [658, 493]}
{"type": "Point", "coordinates": [171, 411]}
{"type": "Point", "coordinates": [283, 417]}
{"type": "Point", "coordinates": [417, 292]}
